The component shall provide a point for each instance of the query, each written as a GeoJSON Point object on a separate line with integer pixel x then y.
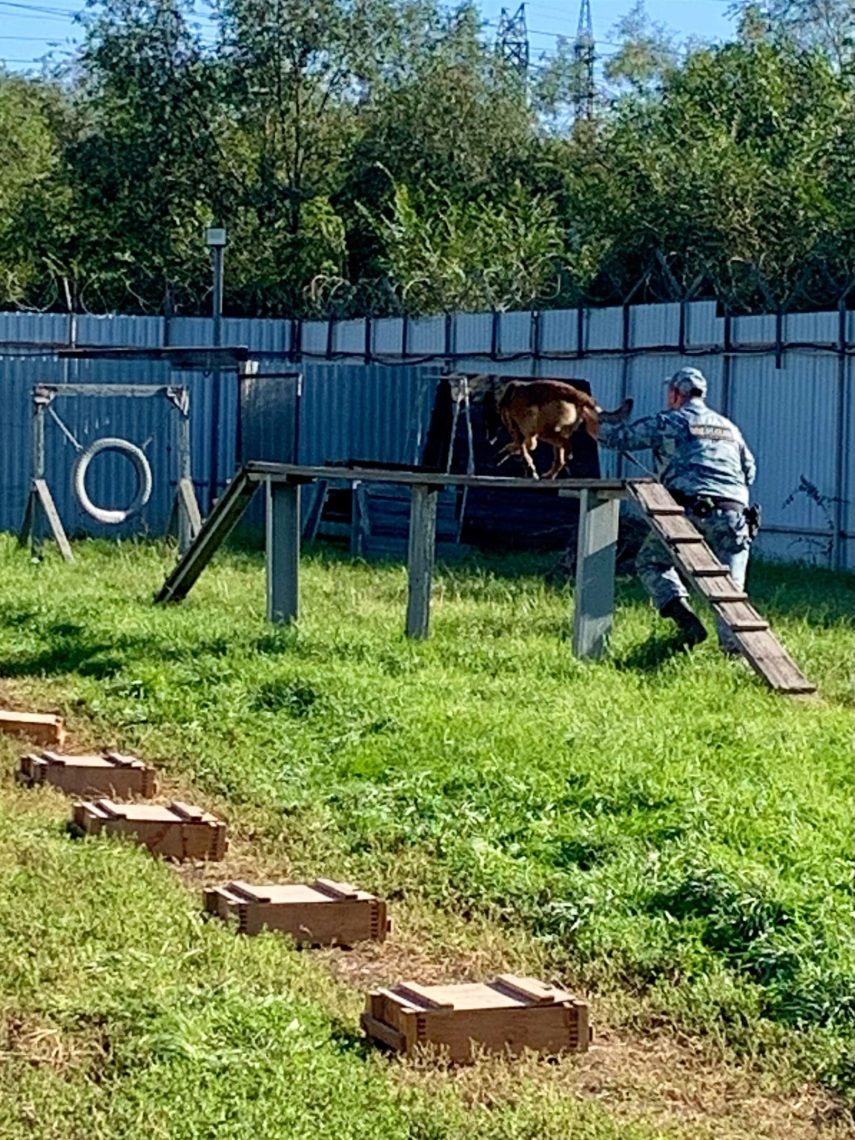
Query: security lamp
{"type": "Point", "coordinates": [215, 237]}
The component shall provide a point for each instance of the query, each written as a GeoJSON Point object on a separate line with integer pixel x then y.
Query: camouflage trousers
{"type": "Point", "coordinates": [726, 532]}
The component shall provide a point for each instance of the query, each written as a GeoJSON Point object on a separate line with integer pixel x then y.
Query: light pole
{"type": "Point", "coordinates": [216, 239]}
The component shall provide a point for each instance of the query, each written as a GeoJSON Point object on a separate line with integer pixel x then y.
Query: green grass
{"type": "Point", "coordinates": [663, 832]}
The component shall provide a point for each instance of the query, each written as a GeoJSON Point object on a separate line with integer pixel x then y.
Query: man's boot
{"type": "Point", "coordinates": [691, 628]}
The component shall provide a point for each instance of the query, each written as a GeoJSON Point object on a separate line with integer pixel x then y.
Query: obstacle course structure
{"type": "Point", "coordinates": [593, 611]}
{"type": "Point", "coordinates": [40, 502]}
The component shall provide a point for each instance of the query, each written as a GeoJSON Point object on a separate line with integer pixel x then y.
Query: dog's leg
{"type": "Point", "coordinates": [557, 463]}
{"type": "Point", "coordinates": [526, 449]}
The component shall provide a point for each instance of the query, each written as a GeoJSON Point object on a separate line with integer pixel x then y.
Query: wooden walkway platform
{"type": "Point", "coordinates": [593, 608]}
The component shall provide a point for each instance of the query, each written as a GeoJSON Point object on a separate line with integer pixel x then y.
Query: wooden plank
{"type": "Point", "coordinates": [215, 530]}
{"type": "Point", "coordinates": [720, 589]}
{"type": "Point", "coordinates": [189, 518]}
{"type": "Point", "coordinates": [527, 990]}
{"type": "Point", "coordinates": [282, 551]}
{"type": "Point", "coordinates": [740, 617]}
{"type": "Point", "coordinates": [260, 470]}
{"type": "Point", "coordinates": [594, 596]}
{"type": "Point", "coordinates": [655, 498]}
{"type": "Point", "coordinates": [360, 527]}
{"type": "Point", "coordinates": [698, 560]}
{"type": "Point", "coordinates": [765, 654]}
{"type": "Point", "coordinates": [384, 1034]}
{"type": "Point", "coordinates": [677, 529]}
{"type": "Point", "coordinates": [420, 559]}
{"type": "Point", "coordinates": [52, 515]}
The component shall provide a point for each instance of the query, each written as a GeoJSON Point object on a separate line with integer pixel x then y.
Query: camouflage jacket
{"type": "Point", "coordinates": [696, 450]}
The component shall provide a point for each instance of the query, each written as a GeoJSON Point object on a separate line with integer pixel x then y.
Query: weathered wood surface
{"type": "Point", "coordinates": [260, 471]}
{"type": "Point", "coordinates": [214, 531]}
{"type": "Point", "coordinates": [109, 774]}
{"type": "Point", "coordinates": [507, 1015]}
{"type": "Point", "coordinates": [43, 728]}
{"type": "Point", "coordinates": [699, 565]}
{"type": "Point", "coordinates": [322, 913]}
{"type": "Point", "coordinates": [282, 552]}
{"type": "Point", "coordinates": [174, 831]}
{"type": "Point", "coordinates": [594, 596]}
{"type": "Point", "coordinates": [420, 559]}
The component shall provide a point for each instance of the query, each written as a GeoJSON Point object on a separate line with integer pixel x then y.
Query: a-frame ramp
{"type": "Point", "coordinates": [700, 567]}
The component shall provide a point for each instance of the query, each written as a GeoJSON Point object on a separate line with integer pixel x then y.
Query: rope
{"type": "Point", "coordinates": [74, 443]}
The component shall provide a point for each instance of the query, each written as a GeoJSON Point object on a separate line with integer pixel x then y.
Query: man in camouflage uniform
{"type": "Point", "coordinates": [704, 462]}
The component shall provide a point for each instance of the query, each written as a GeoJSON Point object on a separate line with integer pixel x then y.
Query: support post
{"type": "Point", "coordinates": [283, 551]}
{"type": "Point", "coordinates": [596, 548]}
{"type": "Point", "coordinates": [420, 555]}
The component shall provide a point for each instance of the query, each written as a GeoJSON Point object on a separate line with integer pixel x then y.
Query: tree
{"type": "Point", "coordinates": [31, 190]}
{"type": "Point", "coordinates": [827, 24]}
{"type": "Point", "coordinates": [143, 160]}
{"type": "Point", "coordinates": [646, 55]}
{"type": "Point", "coordinates": [444, 254]}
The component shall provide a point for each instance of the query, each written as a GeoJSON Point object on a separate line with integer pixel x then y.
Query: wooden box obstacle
{"type": "Point", "coordinates": [43, 728]}
{"type": "Point", "coordinates": [175, 831]}
{"type": "Point", "coordinates": [105, 774]}
{"type": "Point", "coordinates": [509, 1014]}
{"type": "Point", "coordinates": [321, 913]}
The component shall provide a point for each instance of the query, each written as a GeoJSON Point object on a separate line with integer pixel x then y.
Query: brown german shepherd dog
{"type": "Point", "coordinates": [548, 410]}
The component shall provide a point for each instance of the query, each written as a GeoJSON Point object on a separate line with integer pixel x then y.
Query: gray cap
{"type": "Point", "coordinates": [688, 380]}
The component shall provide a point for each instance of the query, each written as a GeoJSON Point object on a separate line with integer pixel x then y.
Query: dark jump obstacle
{"type": "Point", "coordinates": [599, 503]}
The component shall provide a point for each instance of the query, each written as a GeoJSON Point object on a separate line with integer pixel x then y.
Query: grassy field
{"type": "Point", "coordinates": [660, 833]}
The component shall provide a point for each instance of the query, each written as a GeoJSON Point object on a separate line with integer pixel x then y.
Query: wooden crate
{"type": "Point", "coordinates": [175, 831]}
{"type": "Point", "coordinates": [321, 913]}
{"type": "Point", "coordinates": [43, 728]}
{"type": "Point", "coordinates": [104, 774]}
{"type": "Point", "coordinates": [508, 1014]}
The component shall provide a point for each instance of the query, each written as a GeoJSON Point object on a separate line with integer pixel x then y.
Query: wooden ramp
{"type": "Point", "coordinates": [700, 567]}
{"type": "Point", "coordinates": [214, 531]}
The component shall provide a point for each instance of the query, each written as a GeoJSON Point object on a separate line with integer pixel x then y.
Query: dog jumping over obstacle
{"type": "Point", "coordinates": [548, 410]}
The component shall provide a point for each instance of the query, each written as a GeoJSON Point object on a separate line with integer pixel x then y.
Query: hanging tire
{"type": "Point", "coordinates": [144, 480]}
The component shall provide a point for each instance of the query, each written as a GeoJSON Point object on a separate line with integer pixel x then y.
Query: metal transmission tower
{"type": "Point", "coordinates": [583, 58]}
{"type": "Point", "coordinates": [513, 40]}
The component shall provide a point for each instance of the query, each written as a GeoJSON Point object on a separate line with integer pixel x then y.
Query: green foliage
{"type": "Point", "coordinates": [376, 156]}
{"type": "Point", "coordinates": [473, 255]}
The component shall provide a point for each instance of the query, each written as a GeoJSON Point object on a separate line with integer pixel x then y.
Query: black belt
{"type": "Point", "coordinates": [701, 503]}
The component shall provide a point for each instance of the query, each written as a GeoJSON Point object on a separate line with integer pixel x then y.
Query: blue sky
{"type": "Point", "coordinates": [30, 28]}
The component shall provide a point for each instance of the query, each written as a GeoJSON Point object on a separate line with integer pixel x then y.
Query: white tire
{"type": "Point", "coordinates": [144, 479]}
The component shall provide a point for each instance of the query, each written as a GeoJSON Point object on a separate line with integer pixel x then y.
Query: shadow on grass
{"type": "Point", "coordinates": [650, 656]}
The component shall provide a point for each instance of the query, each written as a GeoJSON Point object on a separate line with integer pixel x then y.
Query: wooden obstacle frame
{"type": "Point", "coordinates": [508, 1015]}
{"type": "Point", "coordinates": [110, 774]}
{"type": "Point", "coordinates": [593, 608]}
{"type": "Point", "coordinates": [176, 830]}
{"type": "Point", "coordinates": [321, 913]}
{"type": "Point", "coordinates": [596, 548]}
